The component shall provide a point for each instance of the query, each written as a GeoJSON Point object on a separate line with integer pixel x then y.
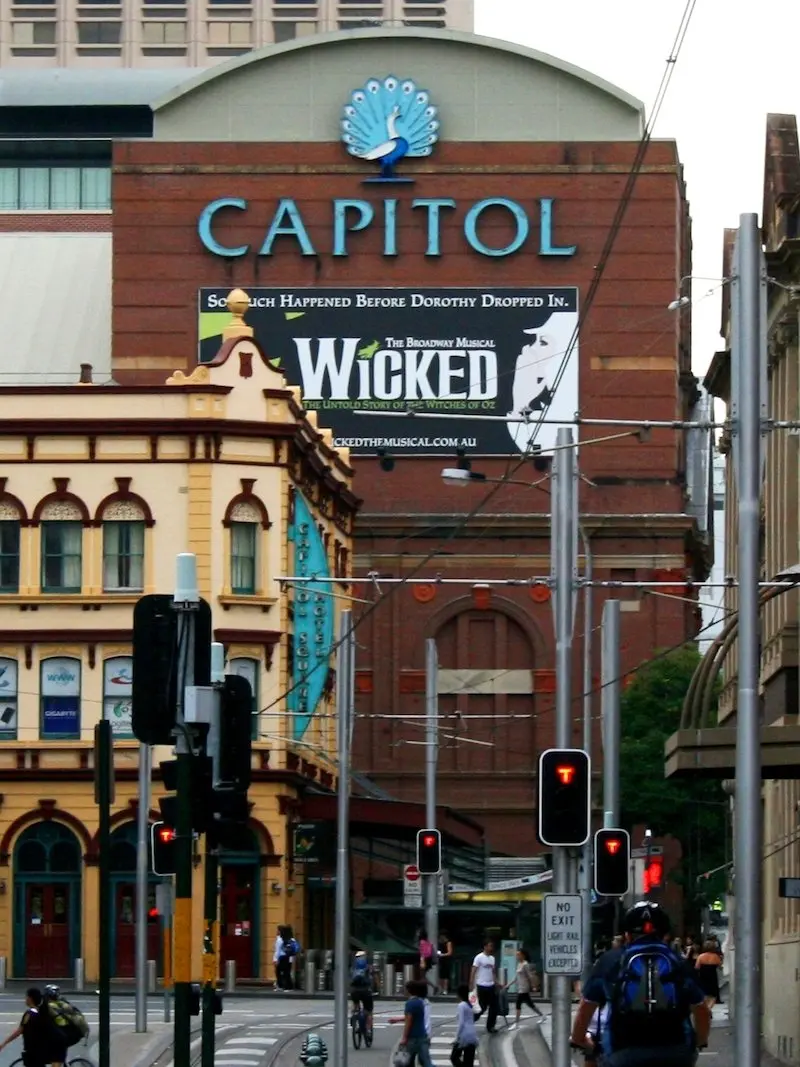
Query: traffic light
{"type": "Point", "coordinates": [232, 767]}
{"type": "Point", "coordinates": [429, 851]}
{"type": "Point", "coordinates": [162, 848]}
{"type": "Point", "coordinates": [155, 665]}
{"type": "Point", "coordinates": [200, 793]}
{"type": "Point", "coordinates": [564, 797]}
{"type": "Point", "coordinates": [653, 874]}
{"type": "Point", "coordinates": [612, 863]}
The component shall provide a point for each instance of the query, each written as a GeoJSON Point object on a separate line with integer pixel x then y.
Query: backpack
{"type": "Point", "coordinates": [359, 976]}
{"type": "Point", "coordinates": [648, 1004]}
{"type": "Point", "coordinates": [292, 947]}
{"type": "Point", "coordinates": [69, 1021]}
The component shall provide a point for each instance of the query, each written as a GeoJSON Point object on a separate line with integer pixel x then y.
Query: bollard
{"type": "Point", "coordinates": [546, 986]}
{"type": "Point", "coordinates": [151, 976]}
{"type": "Point", "coordinates": [230, 975]}
{"type": "Point", "coordinates": [398, 983]}
{"type": "Point", "coordinates": [388, 979]}
{"type": "Point", "coordinates": [80, 977]}
{"type": "Point", "coordinates": [408, 974]}
{"type": "Point", "coordinates": [3, 972]}
{"type": "Point", "coordinates": [321, 981]}
{"type": "Point", "coordinates": [310, 977]}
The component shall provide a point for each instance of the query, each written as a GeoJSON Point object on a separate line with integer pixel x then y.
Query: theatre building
{"type": "Point", "coordinates": [421, 221]}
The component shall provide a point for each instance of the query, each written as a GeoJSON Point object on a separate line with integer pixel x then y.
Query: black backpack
{"type": "Point", "coordinates": [648, 1002]}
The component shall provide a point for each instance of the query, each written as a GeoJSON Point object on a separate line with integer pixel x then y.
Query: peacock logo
{"type": "Point", "coordinates": [388, 120]}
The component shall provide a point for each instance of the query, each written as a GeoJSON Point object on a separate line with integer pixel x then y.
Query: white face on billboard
{"type": "Point", "coordinates": [542, 351]}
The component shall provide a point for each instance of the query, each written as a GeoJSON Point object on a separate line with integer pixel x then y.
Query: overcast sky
{"type": "Point", "coordinates": [738, 63]}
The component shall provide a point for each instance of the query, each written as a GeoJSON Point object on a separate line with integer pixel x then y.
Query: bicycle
{"type": "Point", "coordinates": [358, 1024]}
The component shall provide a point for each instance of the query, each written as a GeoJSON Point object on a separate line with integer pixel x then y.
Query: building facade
{"type": "Point", "coordinates": [194, 33]}
{"type": "Point", "coordinates": [101, 487]}
{"type": "Point", "coordinates": [451, 281]}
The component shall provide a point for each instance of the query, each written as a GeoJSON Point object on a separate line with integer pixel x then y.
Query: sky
{"type": "Point", "coordinates": [738, 63]}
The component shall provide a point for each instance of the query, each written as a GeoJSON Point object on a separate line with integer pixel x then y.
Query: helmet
{"type": "Point", "coordinates": [646, 918]}
{"type": "Point", "coordinates": [52, 991]}
{"type": "Point", "coordinates": [361, 955]}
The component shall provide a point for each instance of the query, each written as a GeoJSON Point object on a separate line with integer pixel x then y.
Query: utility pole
{"type": "Point", "coordinates": [610, 706]}
{"type": "Point", "coordinates": [142, 884]}
{"type": "Point", "coordinates": [345, 698]}
{"type": "Point", "coordinates": [587, 857]}
{"type": "Point", "coordinates": [564, 528]}
{"type": "Point", "coordinates": [431, 763]}
{"type": "Point", "coordinates": [749, 399]}
{"type": "Point", "coordinates": [186, 601]}
{"type": "Point", "coordinates": [104, 796]}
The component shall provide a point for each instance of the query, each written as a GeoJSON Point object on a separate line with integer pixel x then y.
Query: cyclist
{"type": "Point", "coordinates": [41, 1045]}
{"type": "Point", "coordinates": [53, 992]}
{"type": "Point", "coordinates": [361, 977]}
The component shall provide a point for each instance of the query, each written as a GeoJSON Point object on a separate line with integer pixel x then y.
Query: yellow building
{"type": "Point", "coordinates": [100, 488]}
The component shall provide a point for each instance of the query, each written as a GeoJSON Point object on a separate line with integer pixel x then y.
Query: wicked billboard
{"type": "Point", "coordinates": [469, 352]}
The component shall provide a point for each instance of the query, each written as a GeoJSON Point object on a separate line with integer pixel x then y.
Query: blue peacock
{"type": "Point", "coordinates": [388, 120]}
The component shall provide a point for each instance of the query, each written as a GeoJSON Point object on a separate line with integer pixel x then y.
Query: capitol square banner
{"type": "Point", "coordinates": [459, 351]}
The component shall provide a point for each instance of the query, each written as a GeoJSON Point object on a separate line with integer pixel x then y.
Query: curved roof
{"type": "Point", "coordinates": [66, 87]}
{"type": "Point", "coordinates": [321, 40]}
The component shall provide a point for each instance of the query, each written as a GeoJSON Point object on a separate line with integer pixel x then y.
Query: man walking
{"type": "Point", "coordinates": [484, 978]}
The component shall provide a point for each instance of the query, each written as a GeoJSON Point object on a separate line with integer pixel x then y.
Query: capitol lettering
{"type": "Point", "coordinates": [530, 227]}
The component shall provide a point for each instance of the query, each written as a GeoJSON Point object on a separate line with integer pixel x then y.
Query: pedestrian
{"type": "Point", "coordinates": [445, 961]}
{"type": "Point", "coordinates": [484, 978]}
{"type": "Point", "coordinates": [282, 957]}
{"type": "Point", "coordinates": [426, 951]}
{"type": "Point", "coordinates": [416, 1040]}
{"type": "Point", "coordinates": [466, 1040]}
{"type": "Point", "coordinates": [525, 980]}
{"type": "Point", "coordinates": [707, 967]}
{"type": "Point", "coordinates": [40, 1041]}
{"type": "Point", "coordinates": [651, 995]}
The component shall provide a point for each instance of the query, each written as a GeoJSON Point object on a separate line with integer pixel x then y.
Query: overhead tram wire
{"type": "Point", "coordinates": [608, 247]}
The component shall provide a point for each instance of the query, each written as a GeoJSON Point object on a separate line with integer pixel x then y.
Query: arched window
{"type": "Point", "coordinates": [62, 540]}
{"type": "Point", "coordinates": [60, 698]}
{"type": "Point", "coordinates": [117, 691]}
{"type": "Point", "coordinates": [249, 669]}
{"type": "Point", "coordinates": [245, 520]}
{"type": "Point", "coordinates": [8, 699]}
{"type": "Point", "coordinates": [123, 546]}
{"type": "Point", "coordinates": [10, 525]}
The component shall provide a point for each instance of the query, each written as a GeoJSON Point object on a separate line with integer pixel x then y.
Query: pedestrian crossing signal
{"type": "Point", "coordinates": [612, 862]}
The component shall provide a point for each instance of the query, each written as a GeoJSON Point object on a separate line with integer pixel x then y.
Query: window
{"type": "Point", "coordinates": [55, 188]}
{"type": "Point", "coordinates": [287, 31]}
{"type": "Point", "coordinates": [99, 32]}
{"type": "Point", "coordinates": [9, 555]}
{"type": "Point", "coordinates": [61, 552]}
{"type": "Point", "coordinates": [60, 698]}
{"type": "Point", "coordinates": [164, 32]}
{"type": "Point", "coordinates": [248, 669]}
{"type": "Point", "coordinates": [26, 34]}
{"type": "Point", "coordinates": [243, 557]}
{"type": "Point", "coordinates": [123, 555]}
{"type": "Point", "coordinates": [221, 34]}
{"type": "Point", "coordinates": [117, 682]}
{"type": "Point", "coordinates": [8, 699]}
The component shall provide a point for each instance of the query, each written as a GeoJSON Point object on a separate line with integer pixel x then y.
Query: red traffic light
{"type": "Point", "coordinates": [612, 862]}
{"type": "Point", "coordinates": [613, 845]}
{"type": "Point", "coordinates": [653, 875]}
{"type": "Point", "coordinates": [153, 913]}
{"type": "Point", "coordinates": [166, 834]}
{"type": "Point", "coordinates": [429, 851]}
{"type": "Point", "coordinates": [566, 773]}
{"type": "Point", "coordinates": [429, 840]}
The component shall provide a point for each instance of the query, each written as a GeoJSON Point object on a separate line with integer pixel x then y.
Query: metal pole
{"type": "Point", "coordinates": [104, 754]}
{"type": "Point", "coordinates": [187, 619]}
{"type": "Point", "coordinates": [748, 354]}
{"type": "Point", "coordinates": [431, 764]}
{"type": "Point", "coordinates": [142, 885]}
{"type": "Point", "coordinates": [585, 872]}
{"type": "Point", "coordinates": [210, 888]}
{"type": "Point", "coordinates": [345, 698]}
{"type": "Point", "coordinates": [609, 703]}
{"type": "Point", "coordinates": [563, 551]}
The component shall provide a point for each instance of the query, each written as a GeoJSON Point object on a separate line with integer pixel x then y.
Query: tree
{"type": "Point", "coordinates": [693, 809]}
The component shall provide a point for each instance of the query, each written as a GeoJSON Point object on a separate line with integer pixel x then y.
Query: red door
{"type": "Point", "coordinates": [237, 919]}
{"type": "Point", "coordinates": [47, 916]}
{"type": "Point", "coordinates": [125, 932]}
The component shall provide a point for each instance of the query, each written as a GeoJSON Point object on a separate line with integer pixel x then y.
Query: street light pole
{"type": "Point", "coordinates": [585, 873]}
{"type": "Point", "coordinates": [431, 762]}
{"type": "Point", "coordinates": [564, 562]}
{"type": "Point", "coordinates": [344, 712]}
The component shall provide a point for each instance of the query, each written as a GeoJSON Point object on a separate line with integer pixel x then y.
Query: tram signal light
{"type": "Point", "coordinates": [612, 862]}
{"type": "Point", "coordinates": [429, 852]}
{"type": "Point", "coordinates": [564, 797]}
{"type": "Point", "coordinates": [162, 848]}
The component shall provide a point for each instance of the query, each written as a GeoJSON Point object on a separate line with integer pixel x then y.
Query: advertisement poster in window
{"type": "Point", "coordinates": [511, 354]}
{"type": "Point", "coordinates": [117, 703]}
{"type": "Point", "coordinates": [61, 694]}
{"type": "Point", "coordinates": [8, 696]}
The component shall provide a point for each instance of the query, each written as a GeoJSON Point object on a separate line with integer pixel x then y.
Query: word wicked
{"type": "Point", "coordinates": [352, 216]}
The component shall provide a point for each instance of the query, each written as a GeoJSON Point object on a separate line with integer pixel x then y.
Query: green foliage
{"type": "Point", "coordinates": [693, 810]}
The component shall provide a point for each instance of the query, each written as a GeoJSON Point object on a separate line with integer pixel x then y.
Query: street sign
{"type": "Point", "coordinates": [412, 886]}
{"type": "Point", "coordinates": [562, 929]}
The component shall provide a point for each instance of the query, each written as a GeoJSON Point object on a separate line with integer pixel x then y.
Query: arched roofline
{"type": "Point", "coordinates": [324, 40]}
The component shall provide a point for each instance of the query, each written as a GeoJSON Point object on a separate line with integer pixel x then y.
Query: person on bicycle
{"type": "Point", "coordinates": [361, 982]}
{"type": "Point", "coordinates": [651, 995]}
{"type": "Point", "coordinates": [53, 992]}
{"type": "Point", "coordinates": [40, 1043]}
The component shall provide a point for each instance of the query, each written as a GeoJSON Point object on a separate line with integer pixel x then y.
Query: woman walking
{"type": "Point", "coordinates": [707, 972]}
{"type": "Point", "coordinates": [445, 962]}
{"type": "Point", "coordinates": [466, 1042]}
{"type": "Point", "coordinates": [526, 980]}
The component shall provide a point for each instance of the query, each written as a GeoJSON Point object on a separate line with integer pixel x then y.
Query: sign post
{"type": "Point", "coordinates": [412, 886]}
{"type": "Point", "coordinates": [562, 932]}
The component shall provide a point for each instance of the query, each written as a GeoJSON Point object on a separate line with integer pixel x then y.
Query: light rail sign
{"type": "Point", "coordinates": [562, 930]}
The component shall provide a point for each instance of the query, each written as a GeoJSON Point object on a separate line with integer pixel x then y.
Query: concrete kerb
{"type": "Point", "coordinates": [132, 1049]}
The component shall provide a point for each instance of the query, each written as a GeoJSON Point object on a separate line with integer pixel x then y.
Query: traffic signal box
{"type": "Point", "coordinates": [162, 848]}
{"type": "Point", "coordinates": [429, 851]}
{"type": "Point", "coordinates": [653, 874]}
{"type": "Point", "coordinates": [612, 862]}
{"type": "Point", "coordinates": [564, 797]}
